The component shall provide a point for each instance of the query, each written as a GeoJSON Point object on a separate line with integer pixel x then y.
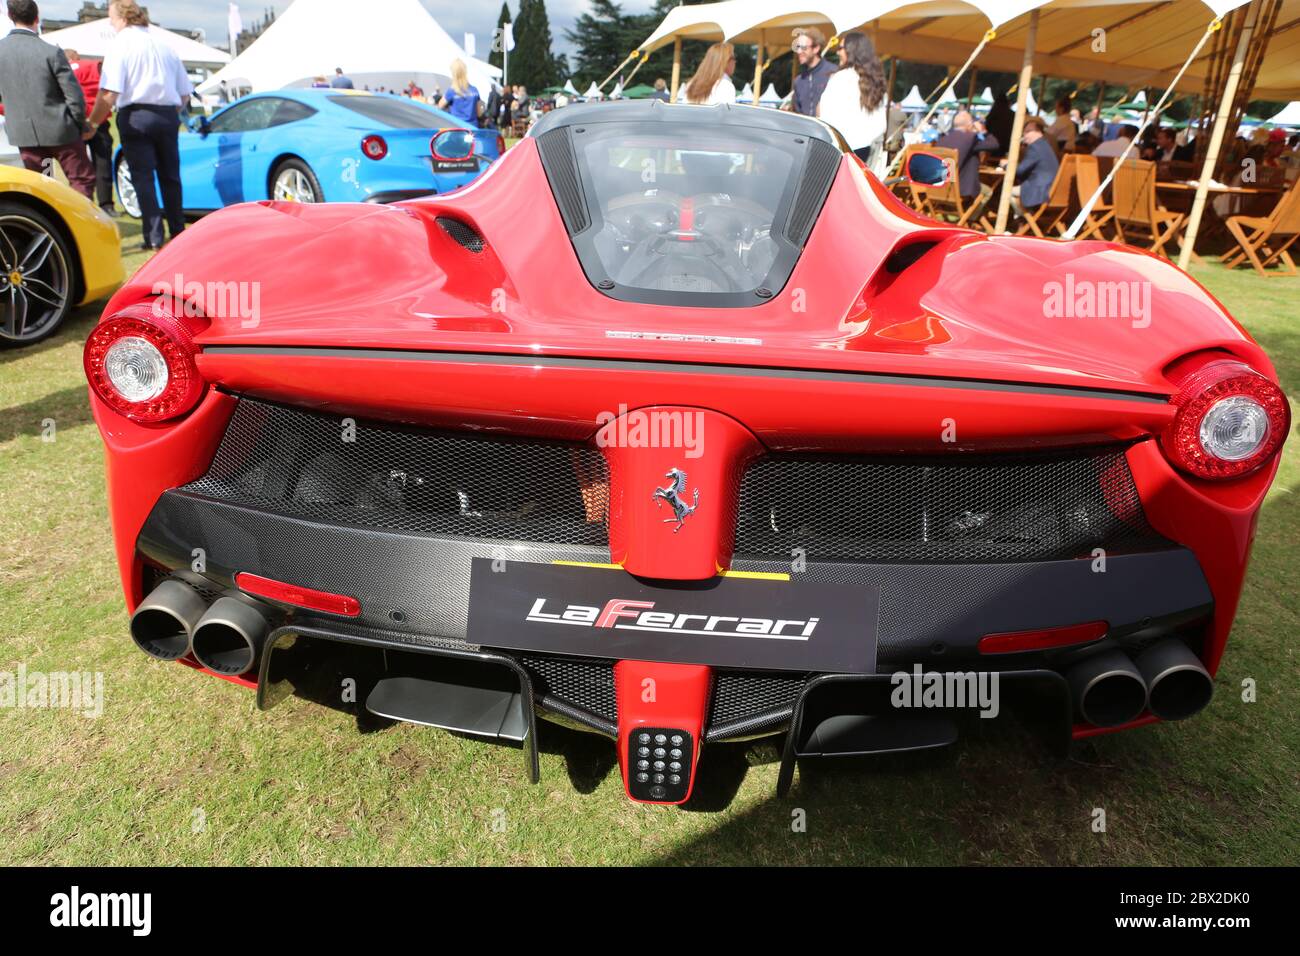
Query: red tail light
{"type": "Point", "coordinates": [1012, 642]}
{"type": "Point", "coordinates": [374, 147]}
{"type": "Point", "coordinates": [501, 145]}
{"type": "Point", "coordinates": [1231, 420]}
{"type": "Point", "coordinates": [293, 594]}
{"type": "Point", "coordinates": [141, 363]}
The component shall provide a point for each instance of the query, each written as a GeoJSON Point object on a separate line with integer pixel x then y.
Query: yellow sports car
{"type": "Point", "coordinates": [57, 251]}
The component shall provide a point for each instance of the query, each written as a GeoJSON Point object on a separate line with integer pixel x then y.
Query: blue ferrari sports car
{"type": "Point", "coordinates": [322, 146]}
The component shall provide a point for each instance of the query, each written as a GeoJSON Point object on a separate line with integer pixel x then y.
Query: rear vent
{"type": "Point", "coordinates": [556, 151]}
{"type": "Point", "coordinates": [815, 182]}
{"type": "Point", "coordinates": [464, 234]}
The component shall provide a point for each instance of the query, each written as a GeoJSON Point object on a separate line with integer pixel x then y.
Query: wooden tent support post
{"type": "Point", "coordinates": [1018, 127]}
{"type": "Point", "coordinates": [1216, 137]}
{"type": "Point", "coordinates": [677, 68]}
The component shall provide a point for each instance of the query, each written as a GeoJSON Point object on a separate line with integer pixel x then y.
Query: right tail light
{"type": "Point", "coordinates": [1230, 420]}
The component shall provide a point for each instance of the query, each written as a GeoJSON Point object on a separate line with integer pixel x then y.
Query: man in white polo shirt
{"type": "Point", "coordinates": [147, 83]}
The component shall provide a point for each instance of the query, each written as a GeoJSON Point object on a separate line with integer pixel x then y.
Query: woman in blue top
{"type": "Point", "coordinates": [461, 100]}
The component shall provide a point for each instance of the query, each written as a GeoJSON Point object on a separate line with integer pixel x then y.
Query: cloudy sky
{"type": "Point", "coordinates": [457, 18]}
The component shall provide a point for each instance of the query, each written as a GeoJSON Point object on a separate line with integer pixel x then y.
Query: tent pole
{"type": "Point", "coordinates": [970, 90]}
{"type": "Point", "coordinates": [893, 72]}
{"type": "Point", "coordinates": [1018, 127]}
{"type": "Point", "coordinates": [677, 68]}
{"type": "Point", "coordinates": [759, 64]}
{"type": "Point", "coordinates": [1216, 137]}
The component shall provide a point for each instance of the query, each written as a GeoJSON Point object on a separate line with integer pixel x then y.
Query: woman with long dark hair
{"type": "Point", "coordinates": [711, 83]}
{"type": "Point", "coordinates": [855, 101]}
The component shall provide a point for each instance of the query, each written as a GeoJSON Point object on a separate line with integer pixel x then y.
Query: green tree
{"type": "Point", "coordinates": [531, 61]}
{"type": "Point", "coordinates": [495, 45]}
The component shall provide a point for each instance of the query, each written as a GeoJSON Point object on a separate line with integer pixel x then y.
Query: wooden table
{"type": "Point", "coordinates": [1181, 194]}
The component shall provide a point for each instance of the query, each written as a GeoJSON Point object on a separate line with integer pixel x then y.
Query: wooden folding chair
{"type": "Point", "coordinates": [1134, 193]}
{"type": "Point", "coordinates": [917, 195]}
{"type": "Point", "coordinates": [1050, 215]}
{"type": "Point", "coordinates": [1272, 235]}
{"type": "Point", "coordinates": [1087, 177]}
{"type": "Point", "coordinates": [946, 203]}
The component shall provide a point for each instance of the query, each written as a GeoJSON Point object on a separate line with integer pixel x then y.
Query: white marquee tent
{"type": "Point", "coordinates": [914, 102]}
{"type": "Point", "coordinates": [1290, 115]}
{"type": "Point", "coordinates": [396, 41]}
{"type": "Point", "coordinates": [92, 39]}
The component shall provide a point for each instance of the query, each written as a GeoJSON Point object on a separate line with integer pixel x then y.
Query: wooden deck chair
{"type": "Point", "coordinates": [946, 202]}
{"type": "Point", "coordinates": [1051, 214]}
{"type": "Point", "coordinates": [1087, 177]}
{"type": "Point", "coordinates": [1271, 235]}
{"type": "Point", "coordinates": [1136, 210]}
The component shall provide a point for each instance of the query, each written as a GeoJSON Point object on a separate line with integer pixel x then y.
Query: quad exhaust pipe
{"type": "Point", "coordinates": [1110, 688]}
{"type": "Point", "coordinates": [1178, 685]}
{"type": "Point", "coordinates": [161, 626]}
{"type": "Point", "coordinates": [228, 639]}
{"type": "Point", "coordinates": [175, 620]}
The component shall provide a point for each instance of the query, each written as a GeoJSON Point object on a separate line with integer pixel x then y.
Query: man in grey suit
{"type": "Point", "coordinates": [45, 111]}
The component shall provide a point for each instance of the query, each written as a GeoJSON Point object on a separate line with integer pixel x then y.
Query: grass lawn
{"type": "Point", "coordinates": [181, 769]}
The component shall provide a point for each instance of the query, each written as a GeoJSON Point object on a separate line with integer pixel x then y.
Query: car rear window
{"type": "Point", "coordinates": [390, 111]}
{"type": "Point", "coordinates": [685, 215]}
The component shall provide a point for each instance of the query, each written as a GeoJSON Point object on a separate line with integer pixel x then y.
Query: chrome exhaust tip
{"type": "Point", "coordinates": [1178, 685]}
{"type": "Point", "coordinates": [1107, 689]}
{"type": "Point", "coordinates": [229, 637]}
{"type": "Point", "coordinates": [163, 623]}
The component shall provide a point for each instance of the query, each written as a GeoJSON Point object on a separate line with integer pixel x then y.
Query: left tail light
{"type": "Point", "coordinates": [501, 145]}
{"type": "Point", "coordinates": [374, 147]}
{"type": "Point", "coordinates": [1231, 420]}
{"type": "Point", "coordinates": [141, 363]}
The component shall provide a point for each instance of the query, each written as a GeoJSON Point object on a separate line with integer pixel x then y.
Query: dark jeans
{"type": "Point", "coordinates": [101, 151]}
{"type": "Point", "coordinates": [72, 158]}
{"type": "Point", "coordinates": [150, 142]}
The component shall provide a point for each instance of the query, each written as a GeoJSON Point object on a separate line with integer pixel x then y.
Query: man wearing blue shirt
{"type": "Point", "coordinates": [811, 81]}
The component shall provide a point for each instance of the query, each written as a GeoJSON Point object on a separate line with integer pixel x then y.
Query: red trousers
{"type": "Point", "coordinates": [73, 158]}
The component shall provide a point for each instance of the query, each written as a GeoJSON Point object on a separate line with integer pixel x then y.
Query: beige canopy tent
{"type": "Point", "coordinates": [1161, 44]}
{"type": "Point", "coordinates": [1145, 42]}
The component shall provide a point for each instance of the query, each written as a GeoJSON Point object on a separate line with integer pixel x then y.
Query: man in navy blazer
{"type": "Point", "coordinates": [1037, 168]}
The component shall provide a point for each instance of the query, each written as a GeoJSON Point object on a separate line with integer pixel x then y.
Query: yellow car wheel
{"type": "Point", "coordinates": [37, 273]}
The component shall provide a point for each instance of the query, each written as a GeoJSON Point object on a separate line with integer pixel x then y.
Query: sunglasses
{"type": "Point", "coordinates": [800, 47]}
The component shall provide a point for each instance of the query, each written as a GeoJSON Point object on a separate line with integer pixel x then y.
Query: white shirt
{"type": "Point", "coordinates": [142, 70]}
{"type": "Point", "coordinates": [1112, 147]}
{"type": "Point", "coordinates": [841, 107]}
{"type": "Point", "coordinates": [724, 91]}
{"type": "Point", "coordinates": [1063, 131]}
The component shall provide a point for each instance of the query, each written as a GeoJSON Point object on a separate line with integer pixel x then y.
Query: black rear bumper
{"type": "Point", "coordinates": [414, 594]}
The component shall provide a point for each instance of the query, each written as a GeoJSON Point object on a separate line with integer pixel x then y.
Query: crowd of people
{"type": "Point", "coordinates": [57, 107]}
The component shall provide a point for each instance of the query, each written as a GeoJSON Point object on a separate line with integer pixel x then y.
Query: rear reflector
{"type": "Point", "coordinates": [300, 596]}
{"type": "Point", "coordinates": [1043, 639]}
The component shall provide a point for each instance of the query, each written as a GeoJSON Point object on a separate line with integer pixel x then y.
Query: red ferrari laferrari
{"type": "Point", "coordinates": [678, 428]}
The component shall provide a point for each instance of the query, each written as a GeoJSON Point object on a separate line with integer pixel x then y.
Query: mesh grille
{"type": "Point", "coordinates": [818, 174]}
{"type": "Point", "coordinates": [402, 479]}
{"type": "Point", "coordinates": [462, 233]}
{"type": "Point", "coordinates": [740, 696]}
{"type": "Point", "coordinates": [588, 684]}
{"type": "Point", "coordinates": [987, 509]}
{"type": "Point", "coordinates": [556, 151]}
